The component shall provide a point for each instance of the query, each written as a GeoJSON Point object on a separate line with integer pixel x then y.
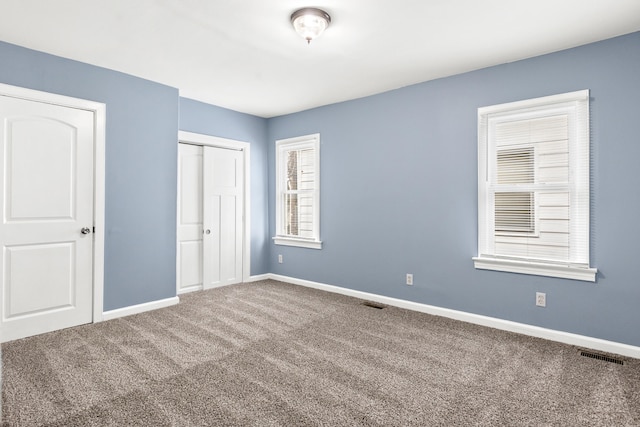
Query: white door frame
{"type": "Point", "coordinates": [99, 115]}
{"type": "Point", "coordinates": [232, 144]}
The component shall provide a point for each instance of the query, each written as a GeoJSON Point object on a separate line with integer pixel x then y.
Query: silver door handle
{"type": "Point", "coordinates": [207, 231]}
{"type": "Point", "coordinates": [85, 230]}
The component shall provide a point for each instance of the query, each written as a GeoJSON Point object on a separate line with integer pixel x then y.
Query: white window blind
{"type": "Point", "coordinates": [297, 182]}
{"type": "Point", "coordinates": [534, 187]}
{"type": "Point", "coordinates": [515, 210]}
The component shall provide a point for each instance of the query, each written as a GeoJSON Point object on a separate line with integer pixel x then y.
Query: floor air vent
{"type": "Point", "coordinates": [374, 305]}
{"type": "Point", "coordinates": [601, 357]}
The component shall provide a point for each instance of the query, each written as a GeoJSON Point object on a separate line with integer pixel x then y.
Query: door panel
{"type": "Point", "coordinates": [37, 290]}
{"type": "Point", "coordinates": [229, 233]}
{"type": "Point", "coordinates": [211, 242]}
{"type": "Point", "coordinates": [189, 218]}
{"type": "Point", "coordinates": [46, 180]}
{"type": "Point", "coordinates": [223, 207]}
{"type": "Point", "coordinates": [42, 166]}
{"type": "Point", "coordinates": [190, 273]}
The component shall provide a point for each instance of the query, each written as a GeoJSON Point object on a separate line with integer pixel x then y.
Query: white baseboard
{"type": "Point", "coordinates": [139, 308]}
{"type": "Point", "coordinates": [492, 322]}
{"type": "Point", "coordinates": [259, 277]}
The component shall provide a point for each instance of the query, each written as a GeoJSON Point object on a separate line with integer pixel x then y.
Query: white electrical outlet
{"type": "Point", "coordinates": [409, 279]}
{"type": "Point", "coordinates": [279, 258]}
{"type": "Point", "coordinates": [541, 299]}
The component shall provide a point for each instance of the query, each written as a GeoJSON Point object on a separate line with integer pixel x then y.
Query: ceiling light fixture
{"type": "Point", "coordinates": [310, 22]}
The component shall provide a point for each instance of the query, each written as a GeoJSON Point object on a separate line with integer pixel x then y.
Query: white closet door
{"type": "Point", "coordinates": [189, 218]}
{"type": "Point", "coordinates": [210, 217]}
{"type": "Point", "coordinates": [46, 191]}
{"type": "Point", "coordinates": [223, 212]}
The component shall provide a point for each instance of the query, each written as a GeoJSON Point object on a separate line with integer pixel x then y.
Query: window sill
{"type": "Point", "coordinates": [536, 268]}
{"type": "Point", "coordinates": [301, 243]}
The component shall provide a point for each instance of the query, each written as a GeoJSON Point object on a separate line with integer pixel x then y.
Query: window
{"type": "Point", "coordinates": [533, 187]}
{"type": "Point", "coordinates": [298, 192]}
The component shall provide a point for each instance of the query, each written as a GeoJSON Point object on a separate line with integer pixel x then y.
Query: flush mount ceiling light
{"type": "Point", "coordinates": [310, 22]}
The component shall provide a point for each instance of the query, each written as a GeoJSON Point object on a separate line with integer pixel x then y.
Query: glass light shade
{"type": "Point", "coordinates": [310, 22]}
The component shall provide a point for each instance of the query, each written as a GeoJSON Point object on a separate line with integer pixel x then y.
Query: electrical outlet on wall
{"type": "Point", "coordinates": [409, 279]}
{"type": "Point", "coordinates": [280, 259]}
{"type": "Point", "coordinates": [541, 299]}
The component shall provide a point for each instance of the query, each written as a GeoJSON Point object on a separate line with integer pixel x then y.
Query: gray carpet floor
{"type": "Point", "coordinates": [274, 354]}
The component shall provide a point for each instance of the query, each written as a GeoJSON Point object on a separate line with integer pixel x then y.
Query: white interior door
{"type": "Point", "coordinates": [46, 185]}
{"type": "Point", "coordinates": [210, 217]}
{"type": "Point", "coordinates": [222, 216]}
{"type": "Point", "coordinates": [189, 217]}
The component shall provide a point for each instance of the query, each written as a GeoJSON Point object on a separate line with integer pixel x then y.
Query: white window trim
{"type": "Point", "coordinates": [486, 261]}
{"type": "Point", "coordinates": [299, 242]}
{"type": "Point", "coordinates": [280, 238]}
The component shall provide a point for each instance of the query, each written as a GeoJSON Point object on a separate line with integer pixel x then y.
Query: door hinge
{"type": "Point", "coordinates": [94, 229]}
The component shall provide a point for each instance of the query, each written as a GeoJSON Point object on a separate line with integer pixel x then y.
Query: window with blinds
{"type": "Point", "coordinates": [515, 210]}
{"type": "Point", "coordinates": [297, 182]}
{"type": "Point", "coordinates": [533, 188]}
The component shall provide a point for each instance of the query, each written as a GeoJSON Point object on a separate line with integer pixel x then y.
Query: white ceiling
{"type": "Point", "coordinates": [244, 54]}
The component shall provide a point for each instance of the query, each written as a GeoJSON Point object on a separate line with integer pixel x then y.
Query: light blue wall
{"type": "Point", "coordinates": [399, 193]}
{"type": "Point", "coordinates": [143, 119]}
{"type": "Point", "coordinates": [141, 129]}
{"type": "Point", "coordinates": [207, 119]}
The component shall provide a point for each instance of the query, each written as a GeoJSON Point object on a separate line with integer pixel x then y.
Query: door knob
{"type": "Point", "coordinates": [85, 230]}
{"type": "Point", "coordinates": [207, 231]}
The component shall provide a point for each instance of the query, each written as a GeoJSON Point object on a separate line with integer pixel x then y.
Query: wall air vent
{"type": "Point", "coordinates": [601, 357]}
{"type": "Point", "coordinates": [374, 305]}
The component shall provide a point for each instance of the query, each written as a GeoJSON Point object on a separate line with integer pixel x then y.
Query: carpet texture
{"type": "Point", "coordinates": [274, 354]}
